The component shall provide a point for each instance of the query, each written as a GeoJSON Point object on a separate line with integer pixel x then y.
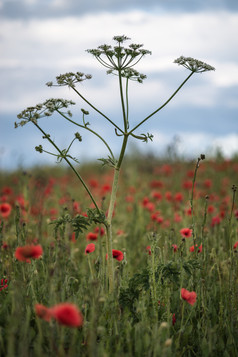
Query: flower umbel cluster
{"type": "Point", "coordinates": [193, 64]}
{"type": "Point", "coordinates": [41, 110]}
{"type": "Point", "coordinates": [120, 58]}
{"type": "Point", "coordinates": [69, 79]}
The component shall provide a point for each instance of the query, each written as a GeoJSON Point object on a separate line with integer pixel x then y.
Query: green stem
{"type": "Point", "coordinates": [125, 118]}
{"type": "Point", "coordinates": [69, 163]}
{"type": "Point", "coordinates": [90, 267]}
{"type": "Point", "coordinates": [191, 202]}
{"type": "Point", "coordinates": [149, 116]}
{"type": "Point", "coordinates": [92, 131]}
{"type": "Point", "coordinates": [127, 104]}
{"type": "Point", "coordinates": [97, 110]}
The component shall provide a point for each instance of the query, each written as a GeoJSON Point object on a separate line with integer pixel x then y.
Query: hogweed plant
{"type": "Point", "coordinates": [120, 61]}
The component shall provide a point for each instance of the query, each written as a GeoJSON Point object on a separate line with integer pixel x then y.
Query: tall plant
{"type": "Point", "coordinates": [120, 61]}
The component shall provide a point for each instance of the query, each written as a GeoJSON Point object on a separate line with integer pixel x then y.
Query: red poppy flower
{"type": "Point", "coordinates": [43, 312]}
{"type": "Point", "coordinates": [117, 254]}
{"type": "Point", "coordinates": [216, 220]}
{"type": "Point", "coordinates": [92, 236]}
{"type": "Point", "coordinates": [177, 217]}
{"type": "Point", "coordinates": [178, 197]}
{"type": "Point", "coordinates": [210, 209]}
{"type": "Point", "coordinates": [5, 209]}
{"type": "Point", "coordinates": [157, 195]}
{"type": "Point", "coordinates": [148, 249]}
{"type": "Point", "coordinates": [173, 319]}
{"type": "Point", "coordinates": [67, 314]}
{"type": "Point", "coordinates": [236, 214]}
{"type": "Point", "coordinates": [186, 232]}
{"type": "Point", "coordinates": [235, 245]}
{"type": "Point", "coordinates": [100, 230]}
{"type": "Point", "coordinates": [168, 196]}
{"type": "Point", "coordinates": [191, 249]}
{"type": "Point", "coordinates": [90, 248]}
{"type": "Point", "coordinates": [28, 251]}
{"type": "Point", "coordinates": [188, 184]}
{"type": "Point", "coordinates": [190, 297]}
{"type": "Point", "coordinates": [7, 190]}
{"type": "Point", "coordinates": [3, 284]}
{"type": "Point", "coordinates": [175, 247]}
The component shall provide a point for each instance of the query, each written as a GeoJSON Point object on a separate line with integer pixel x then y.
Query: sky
{"type": "Point", "coordinates": [40, 39]}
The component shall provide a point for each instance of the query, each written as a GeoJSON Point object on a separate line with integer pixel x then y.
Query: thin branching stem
{"type": "Point", "coordinates": [69, 163]}
{"type": "Point", "coordinates": [97, 110]}
{"type": "Point", "coordinates": [86, 128]}
{"type": "Point", "coordinates": [162, 106]}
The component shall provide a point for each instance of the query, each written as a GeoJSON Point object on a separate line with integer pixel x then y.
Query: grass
{"type": "Point", "coordinates": [145, 315]}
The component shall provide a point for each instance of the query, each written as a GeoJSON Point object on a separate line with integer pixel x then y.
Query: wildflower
{"type": "Point", "coordinates": [236, 214]}
{"type": "Point", "coordinates": [120, 232]}
{"type": "Point", "coordinates": [216, 220]}
{"type": "Point", "coordinates": [186, 232]}
{"type": "Point", "coordinates": [129, 198]}
{"type": "Point", "coordinates": [28, 251]}
{"type": "Point", "coordinates": [3, 284]}
{"type": "Point", "coordinates": [190, 297]}
{"type": "Point", "coordinates": [43, 312]}
{"type": "Point", "coordinates": [148, 249]}
{"type": "Point", "coordinates": [177, 217]}
{"type": "Point", "coordinates": [157, 195]}
{"type": "Point", "coordinates": [188, 211]}
{"type": "Point", "coordinates": [168, 196]}
{"type": "Point", "coordinates": [5, 209]}
{"type": "Point", "coordinates": [100, 230]}
{"type": "Point", "coordinates": [156, 184]}
{"type": "Point", "coordinates": [210, 209]}
{"type": "Point", "coordinates": [191, 249]}
{"type": "Point", "coordinates": [207, 183]}
{"type": "Point", "coordinates": [67, 314]}
{"type": "Point", "coordinates": [7, 190]}
{"type": "Point", "coordinates": [166, 169]}
{"type": "Point", "coordinates": [92, 236]}
{"type": "Point", "coordinates": [178, 197]}
{"type": "Point", "coordinates": [187, 184]}
{"type": "Point", "coordinates": [173, 319]}
{"type": "Point", "coordinates": [5, 245]}
{"type": "Point", "coordinates": [93, 183]}
{"type": "Point", "coordinates": [106, 188]}
{"type": "Point", "coordinates": [154, 215]}
{"type": "Point", "coordinates": [90, 248]}
{"type": "Point", "coordinates": [175, 247]}
{"type": "Point", "coordinates": [193, 64]}
{"type": "Point", "coordinates": [235, 245]}
{"type": "Point", "coordinates": [150, 206]}
{"type": "Point", "coordinates": [117, 254]}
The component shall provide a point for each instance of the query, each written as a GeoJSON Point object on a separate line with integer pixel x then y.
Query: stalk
{"type": "Point", "coordinates": [71, 166]}
{"type": "Point", "coordinates": [114, 191]}
{"type": "Point", "coordinates": [162, 106]}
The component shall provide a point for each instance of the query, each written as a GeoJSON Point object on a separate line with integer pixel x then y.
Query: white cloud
{"type": "Point", "coordinates": [192, 144]}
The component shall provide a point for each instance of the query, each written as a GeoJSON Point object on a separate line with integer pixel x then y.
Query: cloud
{"type": "Point", "coordinates": [192, 144]}
{"type": "Point", "coordinates": [34, 51]}
{"type": "Point", "coordinates": [61, 8]}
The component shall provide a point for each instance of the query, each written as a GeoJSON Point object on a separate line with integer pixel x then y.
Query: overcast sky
{"type": "Point", "coordinates": [40, 39]}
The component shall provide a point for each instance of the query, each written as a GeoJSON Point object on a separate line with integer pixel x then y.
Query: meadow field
{"type": "Point", "coordinates": [175, 266]}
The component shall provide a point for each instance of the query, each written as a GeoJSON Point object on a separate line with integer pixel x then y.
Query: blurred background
{"type": "Point", "coordinates": [40, 39]}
